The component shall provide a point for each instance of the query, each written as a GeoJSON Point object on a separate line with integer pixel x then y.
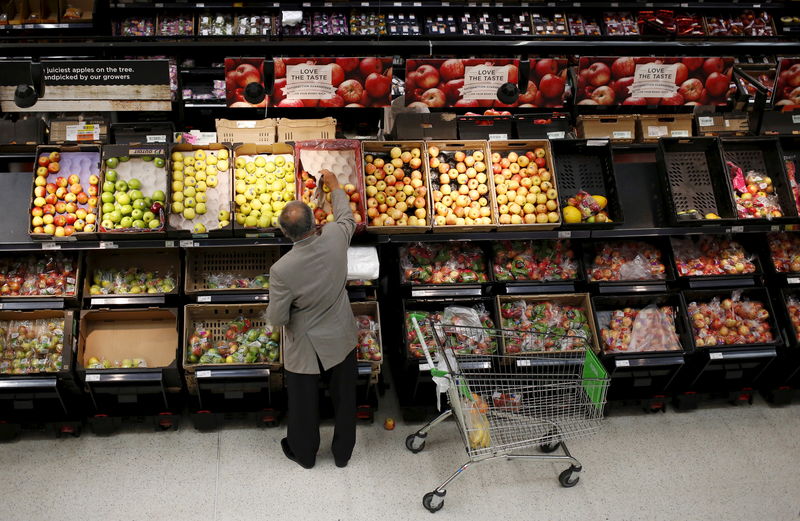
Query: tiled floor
{"type": "Point", "coordinates": [719, 463]}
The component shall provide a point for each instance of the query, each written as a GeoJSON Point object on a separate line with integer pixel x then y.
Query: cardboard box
{"type": "Point", "coordinates": [89, 129]}
{"type": "Point", "coordinates": [164, 262]}
{"type": "Point", "coordinates": [257, 132]}
{"type": "Point", "coordinates": [245, 262]}
{"type": "Point", "coordinates": [727, 124]}
{"type": "Point", "coordinates": [306, 129]}
{"type": "Point", "coordinates": [439, 125]}
{"type": "Point", "coordinates": [149, 334]}
{"type": "Point", "coordinates": [617, 128]}
{"type": "Point", "coordinates": [654, 126]}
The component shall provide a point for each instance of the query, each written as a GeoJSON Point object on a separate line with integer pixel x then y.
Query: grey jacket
{"type": "Point", "coordinates": [308, 295]}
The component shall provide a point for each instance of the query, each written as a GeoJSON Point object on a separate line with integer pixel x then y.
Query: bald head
{"type": "Point", "coordinates": [296, 220]}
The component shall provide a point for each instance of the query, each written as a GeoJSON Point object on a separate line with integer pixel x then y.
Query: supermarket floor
{"type": "Point", "coordinates": [718, 463]}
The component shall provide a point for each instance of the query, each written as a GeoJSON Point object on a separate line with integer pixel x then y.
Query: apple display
{"type": "Point", "coordinates": [460, 187]}
{"type": "Point", "coordinates": [137, 184]}
{"type": "Point", "coordinates": [32, 346]}
{"type": "Point", "coordinates": [524, 187]}
{"type": "Point", "coordinates": [262, 185]}
{"type": "Point", "coordinates": [240, 341]}
{"type": "Point", "coordinates": [131, 281]}
{"type": "Point", "coordinates": [397, 180]}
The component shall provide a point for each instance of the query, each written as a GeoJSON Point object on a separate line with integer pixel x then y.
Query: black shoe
{"type": "Point", "coordinates": [341, 464]}
{"type": "Point", "coordinates": [287, 451]}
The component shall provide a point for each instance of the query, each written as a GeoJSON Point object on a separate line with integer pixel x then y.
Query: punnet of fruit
{"type": "Point", "coordinates": [396, 191]}
{"type": "Point", "coordinates": [785, 250]}
{"type": "Point", "coordinates": [131, 281]}
{"type": "Point", "coordinates": [627, 260]}
{"type": "Point", "coordinates": [730, 321]}
{"type": "Point", "coordinates": [524, 186]}
{"type": "Point", "coordinates": [442, 263]}
{"type": "Point", "coordinates": [460, 187]}
{"type": "Point", "coordinates": [586, 208]}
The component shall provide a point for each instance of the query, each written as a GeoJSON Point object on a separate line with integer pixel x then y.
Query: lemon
{"type": "Point", "coordinates": [571, 215]}
{"type": "Point", "coordinates": [602, 201]}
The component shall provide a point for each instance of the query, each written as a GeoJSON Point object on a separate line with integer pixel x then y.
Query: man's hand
{"type": "Point", "coordinates": [329, 180]}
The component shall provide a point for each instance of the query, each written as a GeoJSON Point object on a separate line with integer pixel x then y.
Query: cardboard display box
{"type": "Point", "coordinates": [617, 128]}
{"type": "Point", "coordinates": [727, 124]}
{"type": "Point", "coordinates": [164, 262]}
{"type": "Point", "coordinates": [654, 126]}
{"type": "Point", "coordinates": [256, 132]}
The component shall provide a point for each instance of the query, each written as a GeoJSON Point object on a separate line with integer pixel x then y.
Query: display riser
{"type": "Point", "coordinates": [106, 425]}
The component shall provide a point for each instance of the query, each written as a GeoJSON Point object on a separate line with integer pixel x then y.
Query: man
{"type": "Point", "coordinates": [307, 294]}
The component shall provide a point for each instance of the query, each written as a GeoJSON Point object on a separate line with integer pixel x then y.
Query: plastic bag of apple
{"type": "Point", "coordinates": [460, 187]}
{"type": "Point", "coordinates": [133, 189]}
{"type": "Point", "coordinates": [754, 194]}
{"type": "Point", "coordinates": [793, 307]}
{"type": "Point", "coordinates": [201, 190]}
{"type": "Point", "coordinates": [442, 263]}
{"type": "Point", "coordinates": [785, 250]}
{"type": "Point", "coordinates": [543, 326]}
{"type": "Point", "coordinates": [131, 281]}
{"type": "Point", "coordinates": [711, 255]}
{"type": "Point", "coordinates": [65, 194]}
{"type": "Point", "coordinates": [35, 275]}
{"type": "Point", "coordinates": [639, 330]}
{"type": "Point", "coordinates": [243, 343]}
{"type": "Point", "coordinates": [31, 346]}
{"type": "Point", "coordinates": [223, 280]}
{"type": "Point", "coordinates": [586, 208]}
{"type": "Point", "coordinates": [368, 348]}
{"type": "Point", "coordinates": [125, 363]}
{"type": "Point", "coordinates": [730, 321]}
{"type": "Point", "coordinates": [343, 158]}
{"type": "Point", "coordinates": [472, 344]}
{"type": "Point", "coordinates": [534, 260]}
{"type": "Point", "coordinates": [395, 188]}
{"type": "Point", "coordinates": [627, 260]}
{"type": "Point", "coordinates": [525, 188]}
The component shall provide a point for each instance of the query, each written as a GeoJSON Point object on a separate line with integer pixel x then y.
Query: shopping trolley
{"type": "Point", "coordinates": [505, 404]}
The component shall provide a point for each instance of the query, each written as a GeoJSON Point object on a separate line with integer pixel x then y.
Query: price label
{"type": "Point", "coordinates": [92, 377]}
{"type": "Point", "coordinates": [623, 363]}
{"type": "Point", "coordinates": [417, 4]}
{"type": "Point", "coordinates": [159, 5]}
{"type": "Point", "coordinates": [201, 5]}
{"type": "Point", "coordinates": [793, 280]}
{"type": "Point", "coordinates": [621, 134]}
{"type": "Point", "coordinates": [108, 245]}
{"type": "Point", "coordinates": [446, 4]}
{"type": "Point", "coordinates": [657, 131]}
{"type": "Point", "coordinates": [705, 121]}
{"type": "Point", "coordinates": [364, 4]}
{"type": "Point", "coordinates": [245, 124]}
{"type": "Point", "coordinates": [328, 4]}
{"type": "Point", "coordinates": [556, 135]}
{"type": "Point", "coordinates": [679, 133]}
{"type": "Point", "coordinates": [564, 234]}
{"type": "Point", "coordinates": [737, 229]}
{"type": "Point", "coordinates": [204, 298]}
{"type": "Point", "coordinates": [795, 118]}
{"type": "Point", "coordinates": [204, 374]}
{"type": "Point", "coordinates": [398, 4]}
{"type": "Point", "coordinates": [596, 142]}
{"type": "Point", "coordinates": [715, 356]}
{"type": "Point", "coordinates": [83, 132]}
{"type": "Point", "coordinates": [186, 244]}
{"type": "Point", "coordinates": [306, 4]}
{"type": "Point", "coordinates": [498, 137]}
{"type": "Point", "coordinates": [523, 363]}
{"type": "Point", "coordinates": [51, 246]}
{"type": "Point", "coordinates": [169, 244]}
{"type": "Point", "coordinates": [157, 138]}
{"type": "Point", "coordinates": [775, 228]}
{"type": "Point", "coordinates": [424, 367]}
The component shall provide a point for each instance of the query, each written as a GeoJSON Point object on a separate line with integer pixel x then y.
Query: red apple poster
{"type": "Point", "coordinates": [654, 81]}
{"type": "Point", "coordinates": [239, 73]}
{"type": "Point", "coordinates": [787, 86]}
{"type": "Point", "coordinates": [333, 82]}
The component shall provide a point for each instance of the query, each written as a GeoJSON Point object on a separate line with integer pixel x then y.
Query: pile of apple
{"type": "Point", "coordinates": [524, 187]}
{"type": "Point", "coordinates": [729, 322]}
{"type": "Point", "coordinates": [711, 255]}
{"type": "Point", "coordinates": [627, 260]}
{"type": "Point", "coordinates": [31, 346]}
{"type": "Point", "coordinates": [368, 348]}
{"type": "Point", "coordinates": [192, 177]}
{"type": "Point", "coordinates": [586, 208]}
{"type": "Point", "coordinates": [396, 193]}
{"type": "Point", "coordinates": [319, 199]}
{"type": "Point", "coordinates": [793, 307]}
{"type": "Point", "coordinates": [467, 344]}
{"type": "Point", "coordinates": [62, 208]}
{"type": "Point", "coordinates": [460, 185]}
{"type": "Point", "coordinates": [785, 250]}
{"type": "Point", "coordinates": [543, 326]}
{"type": "Point", "coordinates": [263, 184]}
{"type": "Point", "coordinates": [38, 275]}
{"type": "Point", "coordinates": [242, 343]}
{"type": "Point", "coordinates": [132, 281]}
{"type": "Point", "coordinates": [754, 194]}
{"type": "Point", "coordinates": [125, 207]}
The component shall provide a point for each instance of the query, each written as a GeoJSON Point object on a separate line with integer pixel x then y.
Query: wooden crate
{"type": "Point", "coordinates": [521, 147]}
{"type": "Point", "coordinates": [383, 147]}
{"type": "Point", "coordinates": [254, 150]}
{"type": "Point", "coordinates": [246, 261]}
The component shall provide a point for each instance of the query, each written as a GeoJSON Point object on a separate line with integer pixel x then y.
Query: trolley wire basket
{"type": "Point", "coordinates": [506, 404]}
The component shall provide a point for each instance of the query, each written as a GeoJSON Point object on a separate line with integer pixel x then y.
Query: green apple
{"type": "Point", "coordinates": [134, 184]}
{"type": "Point", "coordinates": [124, 159]}
{"type": "Point", "coordinates": [140, 204]}
{"type": "Point", "coordinates": [126, 209]}
{"type": "Point", "coordinates": [263, 222]}
{"type": "Point", "coordinates": [189, 202]}
{"type": "Point", "coordinates": [135, 194]}
{"type": "Point", "coordinates": [200, 208]}
{"type": "Point", "coordinates": [107, 197]}
{"type": "Point", "coordinates": [138, 223]}
{"type": "Point", "coordinates": [107, 224]}
{"type": "Point", "coordinates": [251, 221]}
{"type": "Point", "coordinates": [111, 175]}
{"type": "Point", "coordinates": [114, 217]}
{"type": "Point", "coordinates": [177, 207]}
{"type": "Point", "coordinates": [158, 195]}
{"type": "Point", "coordinates": [224, 215]}
{"type": "Point", "coordinates": [121, 186]}
{"type": "Point", "coordinates": [108, 207]}
{"type": "Point", "coordinates": [155, 223]}
{"type": "Point", "coordinates": [159, 162]}
{"type": "Point", "coordinates": [189, 213]}
{"type": "Point", "coordinates": [147, 158]}
{"type": "Point", "coordinates": [123, 199]}
{"type": "Point", "coordinates": [149, 216]}
{"type": "Point", "coordinates": [108, 186]}
{"type": "Point", "coordinates": [149, 201]}
{"type": "Point", "coordinates": [126, 222]}
{"type": "Point", "coordinates": [112, 162]}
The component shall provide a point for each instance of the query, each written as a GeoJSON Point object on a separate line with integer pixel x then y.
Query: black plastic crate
{"type": "Point", "coordinates": [762, 155]}
{"type": "Point", "coordinates": [775, 277]}
{"type": "Point", "coordinates": [574, 245]}
{"type": "Point", "coordinates": [533, 126]}
{"type": "Point", "coordinates": [145, 133]}
{"type": "Point", "coordinates": [587, 164]}
{"type": "Point", "coordinates": [694, 178]}
{"type": "Point", "coordinates": [751, 248]}
{"type": "Point", "coordinates": [590, 249]}
{"type": "Point", "coordinates": [485, 127]}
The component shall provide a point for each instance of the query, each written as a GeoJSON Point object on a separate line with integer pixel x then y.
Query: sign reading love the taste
{"type": "Point", "coordinates": [309, 82]}
{"type": "Point", "coordinates": [482, 81]}
{"type": "Point", "coordinates": [654, 80]}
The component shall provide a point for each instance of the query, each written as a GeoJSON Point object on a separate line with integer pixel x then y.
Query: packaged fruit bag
{"type": "Point", "coordinates": [711, 255]}
{"type": "Point", "coordinates": [543, 326]}
{"type": "Point", "coordinates": [586, 208]}
{"type": "Point", "coordinates": [31, 346]}
{"type": "Point", "coordinates": [201, 188]}
{"type": "Point", "coordinates": [38, 275]}
{"type": "Point", "coordinates": [754, 194]}
{"type": "Point", "coordinates": [467, 340]}
{"type": "Point", "coordinates": [730, 321]}
{"type": "Point", "coordinates": [395, 188]}
{"type": "Point", "coordinates": [263, 184]}
{"type": "Point", "coordinates": [133, 189]}
{"type": "Point", "coordinates": [343, 158]}
{"type": "Point", "coordinates": [460, 187]}
{"type": "Point", "coordinates": [442, 263]}
{"type": "Point", "coordinates": [793, 307]}
{"type": "Point", "coordinates": [368, 348]}
{"type": "Point", "coordinates": [631, 330]}
{"type": "Point", "coordinates": [525, 188]}
{"type": "Point", "coordinates": [785, 251]}
{"type": "Point", "coordinates": [131, 281]}
{"type": "Point", "coordinates": [242, 343]}
{"type": "Point", "coordinates": [627, 260]}
{"type": "Point", "coordinates": [66, 193]}
{"type": "Point", "coordinates": [125, 363]}
{"type": "Point", "coordinates": [546, 260]}
{"type": "Point", "coordinates": [225, 280]}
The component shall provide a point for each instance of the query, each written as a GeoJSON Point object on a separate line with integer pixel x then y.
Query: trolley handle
{"type": "Point", "coordinates": [434, 370]}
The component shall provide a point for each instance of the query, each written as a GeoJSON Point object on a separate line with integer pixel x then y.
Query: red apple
{"type": "Point", "coordinates": [545, 66]}
{"type": "Point", "coordinates": [279, 67]}
{"type": "Point", "coordinates": [712, 65]}
{"type": "Point", "coordinates": [693, 63]}
{"type": "Point", "coordinates": [427, 77]}
{"type": "Point", "coordinates": [335, 101]}
{"type": "Point", "coordinates": [551, 86]}
{"type": "Point", "coordinates": [53, 167]}
{"type": "Point", "coordinates": [681, 74]}
{"type": "Point", "coordinates": [51, 199]}
{"type": "Point", "coordinates": [471, 103]}
{"type": "Point", "coordinates": [337, 74]}
{"type": "Point", "coordinates": [51, 188]}
{"type": "Point", "coordinates": [792, 76]}
{"type": "Point", "coordinates": [310, 102]}
{"type": "Point", "coordinates": [635, 101]}
{"type": "Point", "coordinates": [451, 69]}
{"type": "Point", "coordinates": [529, 95]}
{"type": "Point", "coordinates": [71, 218]}
{"type": "Point", "coordinates": [73, 179]}
{"type": "Point", "coordinates": [247, 74]}
{"type": "Point", "coordinates": [292, 103]}
{"type": "Point", "coordinates": [351, 90]}
{"type": "Point", "coordinates": [717, 84]}
{"type": "Point", "coordinates": [623, 67]}
{"type": "Point", "coordinates": [378, 85]}
{"type": "Point", "coordinates": [691, 89]}
{"type": "Point", "coordinates": [603, 95]}
{"type": "Point", "coordinates": [40, 191]}
{"type": "Point", "coordinates": [82, 198]}
{"type": "Point", "coordinates": [44, 160]}
{"type": "Point", "coordinates": [60, 220]}
{"type": "Point", "coordinates": [49, 209]}
{"type": "Point", "coordinates": [279, 92]}
{"type": "Point", "coordinates": [599, 74]}
{"type": "Point", "coordinates": [621, 87]}
{"type": "Point", "coordinates": [37, 211]}
{"type": "Point", "coordinates": [348, 64]}
{"type": "Point", "coordinates": [675, 99]}
{"type": "Point", "coordinates": [453, 88]}
{"type": "Point", "coordinates": [61, 181]}
{"type": "Point", "coordinates": [370, 65]}
{"type": "Point", "coordinates": [433, 98]}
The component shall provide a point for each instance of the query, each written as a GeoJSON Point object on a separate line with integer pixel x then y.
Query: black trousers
{"type": "Point", "coordinates": [303, 428]}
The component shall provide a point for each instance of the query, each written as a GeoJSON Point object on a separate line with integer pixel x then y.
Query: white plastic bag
{"type": "Point", "coordinates": [363, 263]}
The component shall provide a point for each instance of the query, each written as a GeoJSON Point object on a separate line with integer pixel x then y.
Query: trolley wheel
{"type": "Point", "coordinates": [433, 501]}
{"type": "Point", "coordinates": [415, 443]}
{"type": "Point", "coordinates": [550, 447]}
{"type": "Point", "coordinates": [72, 430]}
{"type": "Point", "coordinates": [569, 478]}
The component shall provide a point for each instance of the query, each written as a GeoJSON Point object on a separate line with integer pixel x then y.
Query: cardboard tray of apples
{"type": "Point", "coordinates": [462, 186]}
{"type": "Point", "coordinates": [343, 158]}
{"type": "Point", "coordinates": [267, 175]}
{"type": "Point", "coordinates": [191, 213]}
{"type": "Point", "coordinates": [65, 196]}
{"type": "Point", "coordinates": [133, 191]}
{"type": "Point", "coordinates": [525, 168]}
{"type": "Point", "coordinates": [389, 211]}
